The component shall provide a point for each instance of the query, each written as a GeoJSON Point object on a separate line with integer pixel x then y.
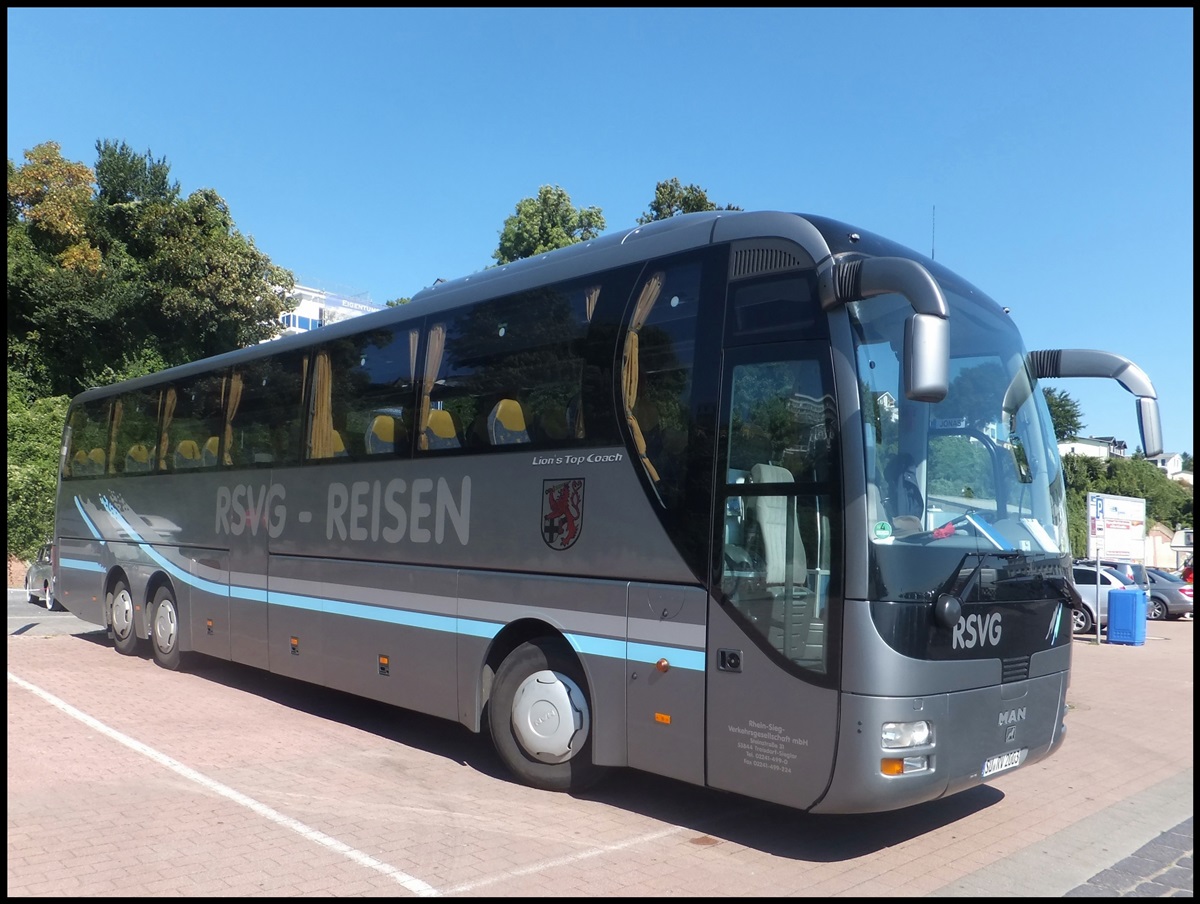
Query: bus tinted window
{"type": "Point", "coordinates": [362, 400]}
{"type": "Point", "coordinates": [659, 354]}
{"type": "Point", "coordinates": [191, 424]}
{"type": "Point", "coordinates": [266, 410]}
{"type": "Point", "coordinates": [508, 371]}
{"type": "Point", "coordinates": [135, 432]}
{"type": "Point", "coordinates": [779, 547]}
{"type": "Point", "coordinates": [88, 439]}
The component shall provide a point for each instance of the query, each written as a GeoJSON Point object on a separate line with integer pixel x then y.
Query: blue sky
{"type": "Point", "coordinates": [1044, 154]}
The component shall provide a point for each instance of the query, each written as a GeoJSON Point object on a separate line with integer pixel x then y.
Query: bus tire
{"type": "Point", "coordinates": [120, 619]}
{"type": "Point", "coordinates": [540, 718]}
{"type": "Point", "coordinates": [164, 630]}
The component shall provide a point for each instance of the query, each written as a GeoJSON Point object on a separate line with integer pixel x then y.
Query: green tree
{"type": "Point", "coordinates": [1166, 501]}
{"type": "Point", "coordinates": [672, 198]}
{"type": "Point", "coordinates": [545, 223]}
{"type": "Point", "coordinates": [112, 275]}
{"type": "Point", "coordinates": [34, 428]}
{"type": "Point", "coordinates": [1064, 413]}
{"type": "Point", "coordinates": [52, 197]}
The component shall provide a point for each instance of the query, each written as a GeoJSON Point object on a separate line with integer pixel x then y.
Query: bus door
{"type": "Point", "coordinates": [772, 699]}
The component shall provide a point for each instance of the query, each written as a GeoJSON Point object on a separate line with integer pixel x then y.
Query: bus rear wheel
{"type": "Point", "coordinates": [164, 630]}
{"type": "Point", "coordinates": [120, 619]}
{"type": "Point", "coordinates": [540, 718]}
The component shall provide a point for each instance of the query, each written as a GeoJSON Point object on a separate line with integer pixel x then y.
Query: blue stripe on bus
{"type": "Point", "coordinates": [88, 521]}
{"type": "Point", "coordinates": [170, 567]}
{"type": "Point", "coordinates": [607, 647]}
{"type": "Point", "coordinates": [80, 565]}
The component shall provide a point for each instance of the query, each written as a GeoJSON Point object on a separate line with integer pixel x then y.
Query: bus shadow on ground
{"type": "Point", "coordinates": [714, 816]}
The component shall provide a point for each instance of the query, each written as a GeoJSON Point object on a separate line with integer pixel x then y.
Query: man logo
{"type": "Point", "coordinates": [562, 512]}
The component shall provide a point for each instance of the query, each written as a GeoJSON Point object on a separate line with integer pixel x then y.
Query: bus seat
{"type": "Point", "coordinates": [97, 461]}
{"type": "Point", "coordinates": [771, 515]}
{"type": "Point", "coordinates": [381, 438]}
{"type": "Point", "coordinates": [209, 454]}
{"type": "Point", "coordinates": [80, 466]}
{"type": "Point", "coordinates": [339, 446]}
{"type": "Point", "coordinates": [441, 430]}
{"type": "Point", "coordinates": [187, 455]}
{"type": "Point", "coordinates": [506, 423]}
{"type": "Point", "coordinates": [137, 459]}
{"type": "Point", "coordinates": [794, 627]}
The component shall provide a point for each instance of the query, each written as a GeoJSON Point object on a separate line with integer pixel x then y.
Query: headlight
{"type": "Point", "coordinates": [906, 734]}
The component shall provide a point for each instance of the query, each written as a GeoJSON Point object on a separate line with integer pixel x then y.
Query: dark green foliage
{"type": "Point", "coordinates": [1065, 413]}
{"type": "Point", "coordinates": [1166, 501]}
{"type": "Point", "coordinates": [546, 223]}
{"type": "Point", "coordinates": [34, 432]}
{"type": "Point", "coordinates": [112, 275]}
{"type": "Point", "coordinates": [672, 198]}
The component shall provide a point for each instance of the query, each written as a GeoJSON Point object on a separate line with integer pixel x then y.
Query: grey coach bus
{"type": "Point", "coordinates": [753, 500]}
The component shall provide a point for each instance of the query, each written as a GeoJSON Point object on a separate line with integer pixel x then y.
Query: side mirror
{"type": "Point", "coordinates": [927, 329]}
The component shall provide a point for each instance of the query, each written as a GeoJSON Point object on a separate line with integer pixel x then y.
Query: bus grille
{"type": "Point", "coordinates": [1015, 669]}
{"type": "Point", "coordinates": [757, 261]}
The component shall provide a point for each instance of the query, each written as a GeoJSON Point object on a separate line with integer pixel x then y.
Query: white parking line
{"type": "Point", "coordinates": [414, 885]}
{"type": "Point", "coordinates": [564, 861]}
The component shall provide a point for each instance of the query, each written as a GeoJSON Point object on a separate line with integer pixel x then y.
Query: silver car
{"type": "Point", "coordinates": [1095, 597]}
{"type": "Point", "coordinates": [39, 580]}
{"type": "Point", "coordinates": [1170, 595]}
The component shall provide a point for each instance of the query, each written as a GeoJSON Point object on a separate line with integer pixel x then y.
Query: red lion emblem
{"type": "Point", "coordinates": [562, 512]}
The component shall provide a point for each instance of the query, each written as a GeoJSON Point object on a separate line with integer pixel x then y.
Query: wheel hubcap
{"type": "Point", "coordinates": [550, 717]}
{"type": "Point", "coordinates": [165, 626]}
{"type": "Point", "coordinates": [122, 613]}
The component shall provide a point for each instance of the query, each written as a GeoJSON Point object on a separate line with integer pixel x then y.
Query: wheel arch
{"type": "Point", "coordinates": [159, 580]}
{"type": "Point", "coordinates": [508, 639]}
{"type": "Point", "coordinates": [118, 575]}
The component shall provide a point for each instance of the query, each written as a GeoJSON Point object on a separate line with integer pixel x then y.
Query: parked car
{"type": "Point", "coordinates": [1134, 572]}
{"type": "Point", "coordinates": [1170, 595]}
{"type": "Point", "coordinates": [1095, 596]}
{"type": "Point", "coordinates": [39, 579]}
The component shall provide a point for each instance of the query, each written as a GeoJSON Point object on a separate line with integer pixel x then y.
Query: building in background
{"type": "Point", "coordinates": [317, 307]}
{"type": "Point", "coordinates": [1102, 447]}
{"type": "Point", "coordinates": [1171, 464]}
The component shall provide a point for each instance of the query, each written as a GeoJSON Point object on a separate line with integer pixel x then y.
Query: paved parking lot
{"type": "Point", "coordinates": [125, 779]}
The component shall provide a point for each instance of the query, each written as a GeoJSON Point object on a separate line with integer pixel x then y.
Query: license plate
{"type": "Point", "coordinates": [1004, 761]}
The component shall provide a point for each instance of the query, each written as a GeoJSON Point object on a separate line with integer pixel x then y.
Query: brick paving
{"type": "Point", "coordinates": [125, 779]}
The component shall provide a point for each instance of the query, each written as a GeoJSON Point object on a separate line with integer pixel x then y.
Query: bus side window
{"type": "Point", "coordinates": [364, 392]}
{"type": "Point", "coordinates": [265, 423]}
{"type": "Point", "coordinates": [658, 356]}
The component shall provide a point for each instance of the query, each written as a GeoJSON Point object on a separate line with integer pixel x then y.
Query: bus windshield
{"type": "Point", "coordinates": [959, 477]}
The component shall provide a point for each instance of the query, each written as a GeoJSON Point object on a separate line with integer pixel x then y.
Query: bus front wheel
{"type": "Point", "coordinates": [540, 718]}
{"type": "Point", "coordinates": [164, 630]}
{"type": "Point", "coordinates": [120, 619]}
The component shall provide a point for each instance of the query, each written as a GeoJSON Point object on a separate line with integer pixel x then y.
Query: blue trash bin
{"type": "Point", "coordinates": [1127, 617]}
